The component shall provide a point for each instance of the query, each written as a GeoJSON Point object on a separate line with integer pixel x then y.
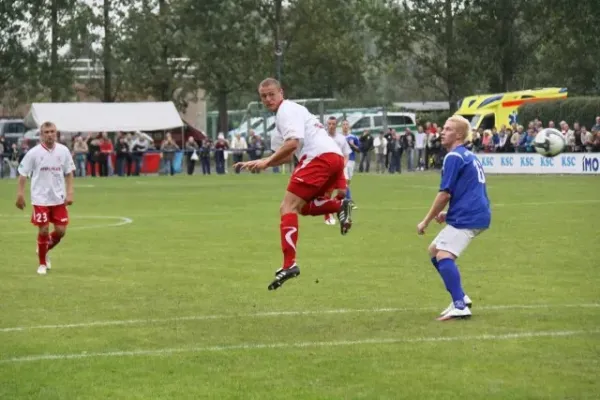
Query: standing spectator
{"type": "Point", "coordinates": [577, 145]}
{"type": "Point", "coordinates": [486, 141]}
{"type": "Point", "coordinates": [123, 150]}
{"type": "Point", "coordinates": [430, 128]}
{"type": "Point", "coordinates": [106, 150]}
{"type": "Point", "coordinates": [366, 145]}
{"type": "Point", "coordinates": [168, 149]}
{"type": "Point", "coordinates": [396, 158]}
{"type": "Point", "coordinates": [515, 139]}
{"type": "Point", "coordinates": [380, 144]}
{"type": "Point", "coordinates": [257, 149]}
{"type": "Point", "coordinates": [420, 144]}
{"type": "Point", "coordinates": [408, 144]}
{"type": "Point", "coordinates": [14, 157]}
{"type": "Point", "coordinates": [526, 144]}
{"type": "Point", "coordinates": [477, 136]}
{"type": "Point", "coordinates": [191, 150]}
{"type": "Point", "coordinates": [2, 149]}
{"type": "Point", "coordinates": [524, 139]}
{"type": "Point", "coordinates": [238, 146]}
{"type": "Point", "coordinates": [595, 147]}
{"type": "Point", "coordinates": [205, 156]}
{"type": "Point", "coordinates": [388, 138]}
{"type": "Point", "coordinates": [596, 128]}
{"type": "Point", "coordinates": [568, 135]}
{"type": "Point", "coordinates": [139, 145]}
{"type": "Point", "coordinates": [220, 147]}
{"type": "Point", "coordinates": [93, 153]}
{"type": "Point", "coordinates": [505, 136]}
{"type": "Point", "coordinates": [587, 140]}
{"type": "Point", "coordinates": [80, 152]}
{"type": "Point", "coordinates": [432, 149]}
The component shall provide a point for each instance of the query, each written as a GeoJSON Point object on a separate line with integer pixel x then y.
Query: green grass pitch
{"type": "Point", "coordinates": [159, 291]}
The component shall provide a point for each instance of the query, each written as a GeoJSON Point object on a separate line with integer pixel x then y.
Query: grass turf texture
{"type": "Point", "coordinates": [187, 281]}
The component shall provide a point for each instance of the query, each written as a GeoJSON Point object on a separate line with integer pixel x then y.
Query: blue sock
{"type": "Point", "coordinates": [348, 195]}
{"type": "Point", "coordinates": [434, 261]}
{"type": "Point", "coordinates": [449, 273]}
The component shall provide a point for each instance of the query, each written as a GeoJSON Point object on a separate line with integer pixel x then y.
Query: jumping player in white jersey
{"type": "Point", "coordinates": [320, 169]}
{"type": "Point", "coordinates": [340, 140]}
{"type": "Point", "coordinates": [49, 165]}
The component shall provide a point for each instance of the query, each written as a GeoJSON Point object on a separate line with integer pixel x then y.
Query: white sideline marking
{"type": "Point", "coordinates": [281, 314]}
{"type": "Point", "coordinates": [122, 221]}
{"type": "Point", "coordinates": [260, 346]}
{"type": "Point", "coordinates": [494, 205]}
{"type": "Point", "coordinates": [229, 210]}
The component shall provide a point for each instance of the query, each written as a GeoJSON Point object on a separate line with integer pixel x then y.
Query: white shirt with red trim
{"type": "Point", "coordinates": [342, 143]}
{"type": "Point", "coordinates": [47, 169]}
{"type": "Point", "coordinates": [294, 121]}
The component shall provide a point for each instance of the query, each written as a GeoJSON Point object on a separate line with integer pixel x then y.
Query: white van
{"type": "Point", "coordinates": [373, 121]}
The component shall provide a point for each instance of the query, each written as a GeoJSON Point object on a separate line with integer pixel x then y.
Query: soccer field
{"type": "Point", "coordinates": [159, 291]}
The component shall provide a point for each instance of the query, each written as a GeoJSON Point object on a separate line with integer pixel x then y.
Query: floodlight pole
{"type": "Point", "coordinates": [278, 46]}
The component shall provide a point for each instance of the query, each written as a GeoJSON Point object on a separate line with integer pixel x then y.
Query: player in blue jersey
{"type": "Point", "coordinates": [355, 147]}
{"type": "Point", "coordinates": [463, 186]}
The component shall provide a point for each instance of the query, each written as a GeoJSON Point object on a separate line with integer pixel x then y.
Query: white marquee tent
{"type": "Point", "coordinates": [105, 117]}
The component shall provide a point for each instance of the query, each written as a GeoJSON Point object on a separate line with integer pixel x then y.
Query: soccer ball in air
{"type": "Point", "coordinates": [549, 142]}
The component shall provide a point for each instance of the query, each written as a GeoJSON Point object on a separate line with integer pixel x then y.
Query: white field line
{"type": "Point", "coordinates": [288, 345]}
{"type": "Point", "coordinates": [154, 321]}
{"type": "Point", "coordinates": [495, 205]}
{"type": "Point", "coordinates": [230, 210]}
{"type": "Point", "coordinates": [120, 222]}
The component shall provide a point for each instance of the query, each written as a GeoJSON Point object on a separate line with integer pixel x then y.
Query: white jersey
{"type": "Point", "coordinates": [47, 169]}
{"type": "Point", "coordinates": [342, 143]}
{"type": "Point", "coordinates": [294, 121]}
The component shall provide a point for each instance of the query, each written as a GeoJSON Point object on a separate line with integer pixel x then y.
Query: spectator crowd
{"type": "Point", "coordinates": [390, 151]}
{"type": "Point", "coordinates": [421, 149]}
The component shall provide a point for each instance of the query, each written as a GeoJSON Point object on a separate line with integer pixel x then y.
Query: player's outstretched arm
{"type": "Point", "coordinates": [21, 192]}
{"type": "Point", "coordinates": [284, 153]}
{"type": "Point", "coordinates": [70, 190]}
{"type": "Point", "coordinates": [440, 202]}
{"type": "Point", "coordinates": [281, 156]}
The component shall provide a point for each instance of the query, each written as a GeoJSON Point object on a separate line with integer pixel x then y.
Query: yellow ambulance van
{"type": "Point", "coordinates": [487, 111]}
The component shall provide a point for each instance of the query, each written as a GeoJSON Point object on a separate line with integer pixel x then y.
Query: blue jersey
{"type": "Point", "coordinates": [353, 140]}
{"type": "Point", "coordinates": [463, 178]}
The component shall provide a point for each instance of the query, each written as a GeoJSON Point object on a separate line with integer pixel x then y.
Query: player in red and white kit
{"type": "Point", "coordinates": [340, 140]}
{"type": "Point", "coordinates": [50, 165]}
{"type": "Point", "coordinates": [320, 170]}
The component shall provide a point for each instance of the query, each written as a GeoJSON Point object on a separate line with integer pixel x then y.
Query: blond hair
{"type": "Point", "coordinates": [462, 124]}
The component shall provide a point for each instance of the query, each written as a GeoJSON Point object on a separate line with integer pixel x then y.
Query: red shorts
{"type": "Point", "coordinates": [44, 215]}
{"type": "Point", "coordinates": [319, 176]}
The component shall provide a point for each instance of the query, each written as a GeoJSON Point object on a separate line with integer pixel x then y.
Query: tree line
{"type": "Point", "coordinates": [363, 52]}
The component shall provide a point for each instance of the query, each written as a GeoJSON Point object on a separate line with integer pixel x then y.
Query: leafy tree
{"type": "Point", "coordinates": [227, 53]}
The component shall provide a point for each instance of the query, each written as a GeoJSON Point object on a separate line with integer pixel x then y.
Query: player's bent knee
{"type": "Point", "coordinates": [291, 204]}
{"type": "Point", "coordinates": [432, 250]}
{"type": "Point", "coordinates": [443, 254]}
{"type": "Point", "coordinates": [61, 230]}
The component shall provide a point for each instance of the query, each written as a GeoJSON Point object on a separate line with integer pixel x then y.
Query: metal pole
{"type": "Point", "coordinates": [278, 47]}
{"type": "Point", "coordinates": [322, 110]}
{"type": "Point", "coordinates": [182, 147]}
{"type": "Point", "coordinates": [385, 120]}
